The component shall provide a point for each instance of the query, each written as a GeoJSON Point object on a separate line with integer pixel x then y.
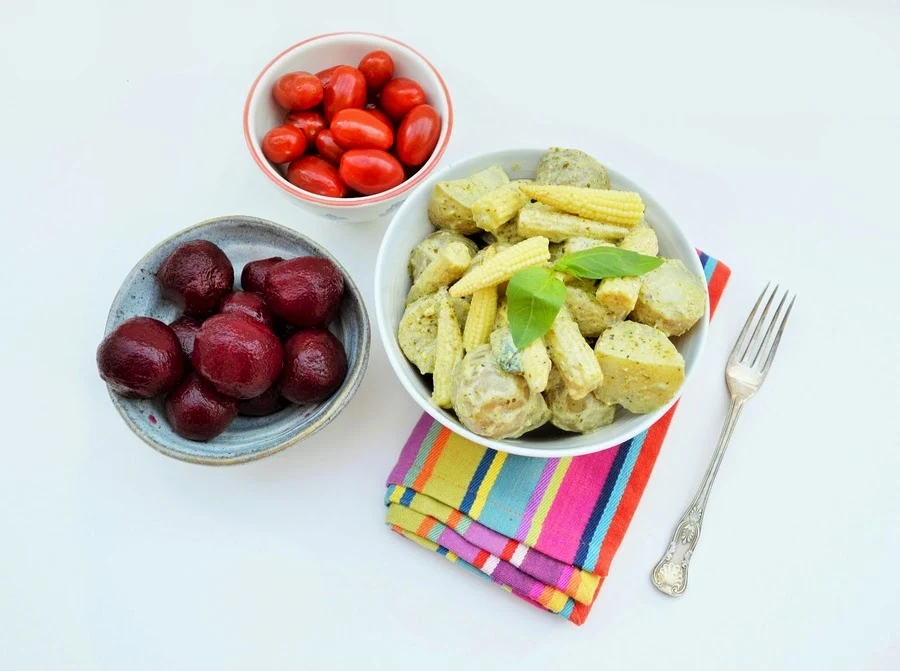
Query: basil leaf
{"type": "Point", "coordinates": [599, 262]}
{"type": "Point", "coordinates": [534, 297]}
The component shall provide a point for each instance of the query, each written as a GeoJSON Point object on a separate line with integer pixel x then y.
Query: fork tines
{"type": "Point", "coordinates": [763, 352]}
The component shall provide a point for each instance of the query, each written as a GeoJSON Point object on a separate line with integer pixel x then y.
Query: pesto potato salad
{"type": "Point", "coordinates": [545, 300]}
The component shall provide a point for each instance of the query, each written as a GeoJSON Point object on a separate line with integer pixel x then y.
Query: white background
{"type": "Point", "coordinates": [770, 134]}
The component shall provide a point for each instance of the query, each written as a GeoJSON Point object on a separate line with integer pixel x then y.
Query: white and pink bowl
{"type": "Point", "coordinates": [261, 113]}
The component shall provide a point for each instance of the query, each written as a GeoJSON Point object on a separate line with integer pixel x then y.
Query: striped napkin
{"type": "Point", "coordinates": [545, 530]}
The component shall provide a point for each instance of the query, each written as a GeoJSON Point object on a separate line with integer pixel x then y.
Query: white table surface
{"type": "Point", "coordinates": [770, 134]}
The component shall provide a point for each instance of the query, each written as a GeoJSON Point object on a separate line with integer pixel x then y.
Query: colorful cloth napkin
{"type": "Point", "coordinates": [545, 530]}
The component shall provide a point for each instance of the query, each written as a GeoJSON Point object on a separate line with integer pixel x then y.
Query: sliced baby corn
{"type": "Point", "coordinates": [482, 313]}
{"type": "Point", "coordinates": [448, 351]}
{"type": "Point", "coordinates": [536, 365]}
{"type": "Point", "coordinates": [505, 264]}
{"type": "Point", "coordinates": [448, 266]}
{"type": "Point", "coordinates": [622, 208]}
{"type": "Point", "coordinates": [572, 356]}
{"type": "Point", "coordinates": [540, 219]}
{"type": "Point", "coordinates": [497, 207]}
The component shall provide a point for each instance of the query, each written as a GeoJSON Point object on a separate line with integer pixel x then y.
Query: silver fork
{"type": "Point", "coordinates": [744, 374]}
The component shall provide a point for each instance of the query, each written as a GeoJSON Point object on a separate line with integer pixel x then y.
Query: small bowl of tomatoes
{"type": "Point", "coordinates": [347, 124]}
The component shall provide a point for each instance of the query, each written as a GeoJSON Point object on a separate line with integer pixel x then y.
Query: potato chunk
{"type": "Point", "coordinates": [571, 167]}
{"type": "Point", "coordinates": [493, 403]}
{"type": "Point", "coordinates": [417, 333]}
{"type": "Point", "coordinates": [642, 370]}
{"type": "Point", "coordinates": [583, 416]}
{"type": "Point", "coordinates": [670, 298]}
{"type": "Point", "coordinates": [451, 202]}
{"type": "Point", "coordinates": [427, 250]}
{"type": "Point", "coordinates": [591, 316]}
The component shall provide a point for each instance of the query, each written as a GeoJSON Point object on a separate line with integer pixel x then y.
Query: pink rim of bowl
{"type": "Point", "coordinates": [401, 188]}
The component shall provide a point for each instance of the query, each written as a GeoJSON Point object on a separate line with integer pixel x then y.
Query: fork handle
{"type": "Point", "coordinates": [670, 574]}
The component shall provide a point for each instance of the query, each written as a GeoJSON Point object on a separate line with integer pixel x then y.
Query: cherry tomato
{"type": "Point", "coordinates": [358, 129]}
{"type": "Point", "coordinates": [370, 170]}
{"type": "Point", "coordinates": [418, 134]}
{"type": "Point", "coordinates": [325, 75]}
{"type": "Point", "coordinates": [346, 90]}
{"type": "Point", "coordinates": [378, 68]}
{"type": "Point", "coordinates": [283, 144]}
{"type": "Point", "coordinates": [328, 147]}
{"type": "Point", "coordinates": [399, 96]}
{"type": "Point", "coordinates": [315, 174]}
{"type": "Point", "coordinates": [298, 91]}
{"type": "Point", "coordinates": [379, 114]}
{"type": "Point", "coordinates": [310, 122]}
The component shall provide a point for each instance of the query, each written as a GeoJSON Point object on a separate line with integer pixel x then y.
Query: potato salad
{"type": "Point", "coordinates": [545, 300]}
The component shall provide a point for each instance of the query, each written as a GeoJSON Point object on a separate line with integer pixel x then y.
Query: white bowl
{"type": "Point", "coordinates": [410, 225]}
{"type": "Point", "coordinates": [262, 113]}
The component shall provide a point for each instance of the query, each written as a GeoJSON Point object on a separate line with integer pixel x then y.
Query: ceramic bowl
{"type": "Point", "coordinates": [261, 113]}
{"type": "Point", "coordinates": [410, 225]}
{"type": "Point", "coordinates": [243, 239]}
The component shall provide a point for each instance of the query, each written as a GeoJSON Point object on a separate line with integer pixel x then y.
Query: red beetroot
{"type": "Point", "coordinates": [248, 304]}
{"type": "Point", "coordinates": [186, 328]}
{"type": "Point", "coordinates": [305, 291]}
{"type": "Point", "coordinates": [141, 358]}
{"type": "Point", "coordinates": [196, 276]}
{"type": "Point", "coordinates": [266, 403]}
{"type": "Point", "coordinates": [253, 277]}
{"type": "Point", "coordinates": [197, 411]}
{"type": "Point", "coordinates": [315, 365]}
{"type": "Point", "coordinates": [241, 357]}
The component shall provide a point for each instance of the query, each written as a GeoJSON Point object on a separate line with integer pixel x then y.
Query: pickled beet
{"type": "Point", "coordinates": [141, 358]}
{"type": "Point", "coordinates": [197, 411]}
{"type": "Point", "coordinates": [248, 304]}
{"type": "Point", "coordinates": [253, 277]}
{"type": "Point", "coordinates": [196, 276]}
{"type": "Point", "coordinates": [305, 292]}
{"type": "Point", "coordinates": [315, 365]}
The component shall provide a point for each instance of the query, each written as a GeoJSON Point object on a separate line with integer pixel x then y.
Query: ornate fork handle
{"type": "Point", "coordinates": [671, 572]}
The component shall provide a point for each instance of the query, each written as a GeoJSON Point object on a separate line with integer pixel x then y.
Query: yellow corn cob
{"type": "Point", "coordinates": [623, 208]}
{"type": "Point", "coordinates": [619, 295]}
{"type": "Point", "coordinates": [536, 365]}
{"type": "Point", "coordinates": [539, 219]}
{"type": "Point", "coordinates": [497, 207]}
{"type": "Point", "coordinates": [448, 266]}
{"type": "Point", "coordinates": [448, 351]}
{"type": "Point", "coordinates": [482, 313]}
{"type": "Point", "coordinates": [505, 264]}
{"type": "Point", "coordinates": [572, 356]}
{"type": "Point", "coordinates": [641, 239]}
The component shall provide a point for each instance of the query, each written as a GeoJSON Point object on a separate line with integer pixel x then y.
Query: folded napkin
{"type": "Point", "coordinates": [545, 530]}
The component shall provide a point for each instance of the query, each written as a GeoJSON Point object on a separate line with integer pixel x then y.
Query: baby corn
{"type": "Point", "coordinates": [448, 266]}
{"type": "Point", "coordinates": [448, 351]}
{"type": "Point", "coordinates": [497, 207]}
{"type": "Point", "coordinates": [482, 313]}
{"type": "Point", "coordinates": [572, 356]}
{"type": "Point", "coordinates": [505, 264]}
{"type": "Point", "coordinates": [622, 208]}
{"type": "Point", "coordinates": [556, 226]}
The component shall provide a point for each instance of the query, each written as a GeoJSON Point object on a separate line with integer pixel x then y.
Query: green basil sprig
{"type": "Point", "coordinates": [600, 262]}
{"type": "Point", "coordinates": [535, 295]}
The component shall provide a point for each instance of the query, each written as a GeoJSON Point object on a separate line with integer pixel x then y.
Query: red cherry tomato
{"type": "Point", "coordinates": [418, 135]}
{"type": "Point", "coordinates": [399, 96]}
{"type": "Point", "coordinates": [310, 122]}
{"type": "Point", "coordinates": [328, 147]}
{"type": "Point", "coordinates": [315, 174]}
{"type": "Point", "coordinates": [325, 75]}
{"type": "Point", "coordinates": [358, 129]}
{"type": "Point", "coordinates": [370, 170]}
{"type": "Point", "coordinates": [298, 91]}
{"type": "Point", "coordinates": [283, 144]}
{"type": "Point", "coordinates": [379, 114]}
{"type": "Point", "coordinates": [346, 90]}
{"type": "Point", "coordinates": [378, 68]}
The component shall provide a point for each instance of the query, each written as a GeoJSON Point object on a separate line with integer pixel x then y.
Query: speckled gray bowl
{"type": "Point", "coordinates": [243, 239]}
